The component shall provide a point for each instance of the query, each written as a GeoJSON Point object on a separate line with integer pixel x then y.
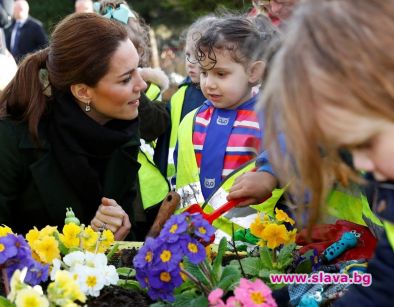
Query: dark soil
{"type": "Point", "coordinates": [117, 296]}
{"type": "Point", "coordinates": [124, 258]}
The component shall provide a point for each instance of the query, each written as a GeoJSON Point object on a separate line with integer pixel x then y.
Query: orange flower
{"type": "Point", "coordinates": [257, 227]}
{"type": "Point", "coordinates": [283, 217]}
{"type": "Point", "coordinates": [275, 235]}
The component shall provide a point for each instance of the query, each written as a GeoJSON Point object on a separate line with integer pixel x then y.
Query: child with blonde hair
{"type": "Point", "coordinates": [331, 91]}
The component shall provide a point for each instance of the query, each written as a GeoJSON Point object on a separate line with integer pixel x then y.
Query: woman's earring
{"type": "Point", "coordinates": [87, 106]}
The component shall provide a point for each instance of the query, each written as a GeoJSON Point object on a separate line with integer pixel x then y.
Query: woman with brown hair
{"type": "Point", "coordinates": [331, 91]}
{"type": "Point", "coordinates": [76, 146]}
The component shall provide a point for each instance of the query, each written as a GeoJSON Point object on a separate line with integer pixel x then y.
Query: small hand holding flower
{"type": "Point", "coordinates": [111, 216]}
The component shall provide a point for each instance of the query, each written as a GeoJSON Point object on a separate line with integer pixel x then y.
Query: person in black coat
{"type": "Point", "coordinates": [75, 145]}
{"type": "Point", "coordinates": [25, 34]}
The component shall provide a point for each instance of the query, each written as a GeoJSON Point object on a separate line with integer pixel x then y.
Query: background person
{"type": "Point", "coordinates": [26, 34]}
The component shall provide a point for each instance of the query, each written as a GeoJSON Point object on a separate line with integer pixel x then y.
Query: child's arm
{"type": "Point", "coordinates": [156, 76]}
{"type": "Point", "coordinates": [152, 112]}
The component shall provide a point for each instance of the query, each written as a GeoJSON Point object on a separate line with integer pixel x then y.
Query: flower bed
{"type": "Point", "coordinates": [180, 267]}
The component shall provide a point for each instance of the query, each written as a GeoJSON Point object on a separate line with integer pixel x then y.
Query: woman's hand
{"type": "Point", "coordinates": [111, 216]}
{"type": "Point", "coordinates": [254, 186]}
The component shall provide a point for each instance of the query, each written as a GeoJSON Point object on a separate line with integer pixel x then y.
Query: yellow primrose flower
{"type": "Point", "coordinates": [89, 239]}
{"type": "Point", "coordinates": [32, 236]}
{"type": "Point", "coordinates": [283, 217]}
{"type": "Point", "coordinates": [261, 243]}
{"type": "Point", "coordinates": [70, 236]}
{"type": "Point", "coordinates": [48, 231]}
{"type": "Point", "coordinates": [292, 236]}
{"type": "Point", "coordinates": [65, 290]}
{"type": "Point", "coordinates": [275, 235]}
{"type": "Point", "coordinates": [30, 298]}
{"type": "Point", "coordinates": [5, 230]}
{"type": "Point", "coordinates": [107, 238]}
{"type": "Point", "coordinates": [257, 227]}
{"type": "Point", "coordinates": [47, 248]}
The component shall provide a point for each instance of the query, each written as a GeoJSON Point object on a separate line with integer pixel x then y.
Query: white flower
{"type": "Point", "coordinates": [111, 277]}
{"type": "Point", "coordinates": [91, 280]}
{"type": "Point", "coordinates": [74, 258]}
{"type": "Point", "coordinates": [96, 260]}
{"type": "Point", "coordinates": [56, 264]}
{"type": "Point", "coordinates": [76, 270]}
{"type": "Point", "coordinates": [17, 283]}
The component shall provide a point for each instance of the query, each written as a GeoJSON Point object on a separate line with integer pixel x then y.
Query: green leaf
{"type": "Point", "coordinates": [5, 303]}
{"type": "Point", "coordinates": [160, 304]}
{"type": "Point", "coordinates": [217, 263]}
{"type": "Point", "coordinates": [184, 299]}
{"type": "Point", "coordinates": [230, 278]}
{"type": "Point", "coordinates": [266, 258]}
{"type": "Point", "coordinates": [200, 301]}
{"type": "Point", "coordinates": [129, 284]}
{"type": "Point", "coordinates": [186, 286]}
{"type": "Point", "coordinates": [126, 272]}
{"type": "Point", "coordinates": [62, 248]}
{"type": "Point", "coordinates": [250, 265]}
{"type": "Point", "coordinates": [286, 252]}
{"type": "Point", "coordinates": [265, 273]}
{"type": "Point", "coordinates": [196, 271]}
{"type": "Point", "coordinates": [114, 249]}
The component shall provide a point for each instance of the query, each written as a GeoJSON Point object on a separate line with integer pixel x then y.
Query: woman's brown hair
{"type": "Point", "coordinates": [79, 52]}
{"type": "Point", "coordinates": [335, 53]}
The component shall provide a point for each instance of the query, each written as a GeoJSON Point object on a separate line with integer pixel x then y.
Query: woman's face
{"type": "Point", "coordinates": [116, 95]}
{"type": "Point", "coordinates": [369, 139]}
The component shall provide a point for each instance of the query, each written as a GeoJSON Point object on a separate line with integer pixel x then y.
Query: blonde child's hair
{"type": "Point", "coordinates": [335, 53]}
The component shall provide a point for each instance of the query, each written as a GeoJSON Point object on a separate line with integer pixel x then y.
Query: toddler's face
{"type": "Point", "coordinates": [225, 83]}
{"type": "Point", "coordinates": [368, 138]}
{"type": "Point", "coordinates": [191, 64]}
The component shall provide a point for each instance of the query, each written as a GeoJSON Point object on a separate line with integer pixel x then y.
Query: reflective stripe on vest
{"type": "Point", "coordinates": [153, 186]}
{"type": "Point", "coordinates": [187, 174]}
{"type": "Point", "coordinates": [153, 92]}
{"type": "Point", "coordinates": [176, 105]}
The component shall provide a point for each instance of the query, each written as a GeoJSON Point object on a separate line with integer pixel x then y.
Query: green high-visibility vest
{"type": "Point", "coordinates": [153, 92]}
{"type": "Point", "coordinates": [176, 105]}
{"type": "Point", "coordinates": [153, 186]}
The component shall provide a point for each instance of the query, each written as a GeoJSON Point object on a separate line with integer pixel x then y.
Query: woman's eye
{"type": "Point", "coordinates": [126, 80]}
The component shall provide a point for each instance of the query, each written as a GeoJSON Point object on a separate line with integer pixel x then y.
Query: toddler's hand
{"type": "Point", "coordinates": [253, 186]}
